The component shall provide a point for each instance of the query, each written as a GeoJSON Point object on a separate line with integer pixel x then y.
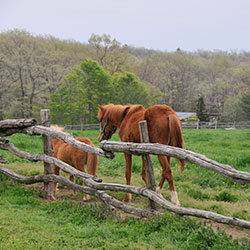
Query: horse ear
{"type": "Point", "coordinates": [100, 107]}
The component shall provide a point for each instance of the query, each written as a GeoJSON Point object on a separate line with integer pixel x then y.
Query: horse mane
{"type": "Point", "coordinates": [134, 108]}
{"type": "Point", "coordinates": [114, 113]}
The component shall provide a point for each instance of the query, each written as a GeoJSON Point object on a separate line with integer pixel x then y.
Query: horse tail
{"type": "Point", "coordinates": [92, 162]}
{"type": "Point", "coordinates": [175, 133]}
{"type": "Point", "coordinates": [91, 159]}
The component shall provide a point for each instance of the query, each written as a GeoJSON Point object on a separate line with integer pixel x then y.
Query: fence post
{"type": "Point", "coordinates": [149, 165]}
{"type": "Point", "coordinates": [197, 125]}
{"type": "Point", "coordinates": [47, 149]}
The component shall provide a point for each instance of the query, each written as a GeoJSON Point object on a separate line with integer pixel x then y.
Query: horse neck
{"type": "Point", "coordinates": [117, 115]}
{"type": "Point", "coordinates": [118, 120]}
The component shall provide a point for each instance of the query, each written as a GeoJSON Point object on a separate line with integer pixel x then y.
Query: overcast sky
{"type": "Point", "coordinates": [155, 24]}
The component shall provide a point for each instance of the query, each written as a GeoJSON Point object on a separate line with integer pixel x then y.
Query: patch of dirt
{"type": "Point", "coordinates": [61, 193]}
{"type": "Point", "coordinates": [235, 232]}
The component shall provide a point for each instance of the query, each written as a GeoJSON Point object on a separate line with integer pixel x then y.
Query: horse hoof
{"type": "Point", "coordinates": [127, 198]}
{"type": "Point", "coordinates": [174, 198]}
{"type": "Point", "coordinates": [158, 190]}
{"type": "Point", "coordinates": [86, 198]}
{"type": "Point", "coordinates": [178, 204]}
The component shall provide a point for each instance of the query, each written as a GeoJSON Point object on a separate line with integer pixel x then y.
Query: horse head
{"type": "Point", "coordinates": [110, 117]}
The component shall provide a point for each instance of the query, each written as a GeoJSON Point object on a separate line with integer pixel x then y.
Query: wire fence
{"type": "Point", "coordinates": [190, 124]}
{"type": "Point", "coordinates": [82, 127]}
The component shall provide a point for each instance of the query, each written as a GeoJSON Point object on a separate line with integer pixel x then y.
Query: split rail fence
{"type": "Point", "coordinates": [95, 186]}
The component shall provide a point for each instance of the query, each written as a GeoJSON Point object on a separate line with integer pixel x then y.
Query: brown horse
{"type": "Point", "coordinates": [75, 157]}
{"type": "Point", "coordinates": [164, 127]}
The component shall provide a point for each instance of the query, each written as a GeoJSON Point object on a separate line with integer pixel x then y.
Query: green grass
{"type": "Point", "coordinates": [28, 223]}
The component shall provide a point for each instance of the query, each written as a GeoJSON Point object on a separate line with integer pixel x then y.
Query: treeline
{"type": "Point", "coordinates": [71, 78]}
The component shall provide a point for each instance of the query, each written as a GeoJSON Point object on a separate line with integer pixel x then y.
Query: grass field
{"type": "Point", "coordinates": [27, 222]}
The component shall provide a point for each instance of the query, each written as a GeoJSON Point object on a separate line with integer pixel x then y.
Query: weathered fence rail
{"type": "Point", "coordinates": [96, 187]}
{"type": "Point", "coordinates": [239, 177]}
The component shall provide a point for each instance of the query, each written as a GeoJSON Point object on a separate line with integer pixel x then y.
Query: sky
{"type": "Point", "coordinates": [164, 25]}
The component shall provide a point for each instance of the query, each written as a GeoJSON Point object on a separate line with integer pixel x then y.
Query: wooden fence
{"type": "Point", "coordinates": [82, 127]}
{"type": "Point", "coordinates": [95, 186]}
{"type": "Point", "coordinates": [190, 124]}
{"type": "Point", "coordinates": [216, 124]}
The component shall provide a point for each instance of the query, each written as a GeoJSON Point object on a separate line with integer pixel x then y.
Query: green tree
{"type": "Point", "coordinates": [97, 86]}
{"type": "Point", "coordinates": [245, 105]}
{"type": "Point", "coordinates": [76, 100]}
{"type": "Point", "coordinates": [201, 110]}
{"type": "Point", "coordinates": [231, 110]}
{"type": "Point", "coordinates": [129, 90]}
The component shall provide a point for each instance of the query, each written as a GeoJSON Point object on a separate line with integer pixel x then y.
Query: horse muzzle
{"type": "Point", "coordinates": [100, 137]}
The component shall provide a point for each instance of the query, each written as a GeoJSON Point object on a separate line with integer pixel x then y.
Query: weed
{"type": "Point", "coordinates": [217, 208]}
{"type": "Point", "coordinates": [243, 162]}
{"type": "Point", "coordinates": [226, 196]}
{"type": "Point", "coordinates": [3, 177]}
{"type": "Point", "coordinates": [79, 213]}
{"type": "Point", "coordinates": [241, 214]}
{"type": "Point", "coordinates": [198, 195]}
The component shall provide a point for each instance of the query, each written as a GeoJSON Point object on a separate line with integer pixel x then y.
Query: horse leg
{"type": "Point", "coordinates": [72, 178]}
{"type": "Point", "coordinates": [128, 159]}
{"type": "Point", "coordinates": [167, 174]}
{"type": "Point", "coordinates": [143, 172]}
{"type": "Point", "coordinates": [159, 188]}
{"type": "Point", "coordinates": [57, 172]}
{"type": "Point", "coordinates": [91, 169]}
{"type": "Point", "coordinates": [79, 163]}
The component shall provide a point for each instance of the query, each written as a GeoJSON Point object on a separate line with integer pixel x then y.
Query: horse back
{"type": "Point", "coordinates": [164, 126]}
{"type": "Point", "coordinates": [74, 156]}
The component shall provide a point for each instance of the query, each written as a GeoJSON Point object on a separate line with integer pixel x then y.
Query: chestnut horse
{"type": "Point", "coordinates": [164, 127]}
{"type": "Point", "coordinates": [75, 157]}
